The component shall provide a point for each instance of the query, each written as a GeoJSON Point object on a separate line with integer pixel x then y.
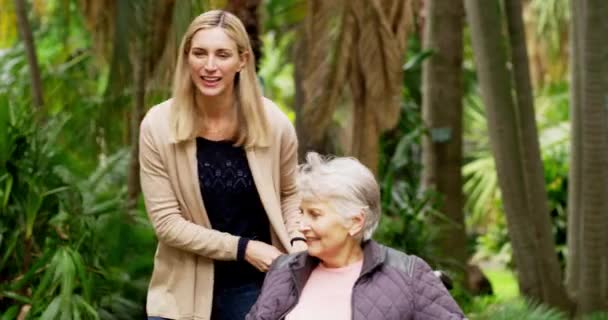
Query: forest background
{"type": "Point", "coordinates": [485, 122]}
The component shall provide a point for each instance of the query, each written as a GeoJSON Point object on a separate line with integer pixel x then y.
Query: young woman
{"type": "Point", "coordinates": [218, 164]}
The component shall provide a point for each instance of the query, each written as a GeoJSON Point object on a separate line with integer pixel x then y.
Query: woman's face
{"type": "Point", "coordinates": [214, 61]}
{"type": "Point", "coordinates": [327, 233]}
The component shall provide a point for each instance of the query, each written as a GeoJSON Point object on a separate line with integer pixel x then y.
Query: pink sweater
{"type": "Point", "coordinates": [327, 294]}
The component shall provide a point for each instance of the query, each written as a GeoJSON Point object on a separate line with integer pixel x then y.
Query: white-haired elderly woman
{"type": "Point", "coordinates": [344, 274]}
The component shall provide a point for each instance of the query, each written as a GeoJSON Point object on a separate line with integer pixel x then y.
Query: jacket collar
{"type": "Point", "coordinates": [303, 264]}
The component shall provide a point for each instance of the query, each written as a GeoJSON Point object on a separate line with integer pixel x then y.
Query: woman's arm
{"type": "Point", "coordinates": [164, 210]}
{"type": "Point", "coordinates": [289, 197]}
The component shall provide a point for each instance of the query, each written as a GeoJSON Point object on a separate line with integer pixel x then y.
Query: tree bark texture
{"type": "Point", "coordinates": [442, 87]}
{"type": "Point", "coordinates": [529, 229]}
{"type": "Point", "coordinates": [30, 50]}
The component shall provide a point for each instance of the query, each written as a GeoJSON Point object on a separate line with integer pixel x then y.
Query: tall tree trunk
{"type": "Point", "coordinates": [151, 19]}
{"type": "Point", "coordinates": [247, 11]}
{"type": "Point", "coordinates": [533, 172]}
{"type": "Point", "coordinates": [575, 173]}
{"type": "Point", "coordinates": [594, 171]}
{"type": "Point", "coordinates": [528, 219]}
{"type": "Point", "coordinates": [30, 49]}
{"type": "Point", "coordinates": [442, 87]}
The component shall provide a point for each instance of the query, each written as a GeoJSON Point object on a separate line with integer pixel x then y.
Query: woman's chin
{"type": "Point", "coordinates": [314, 250]}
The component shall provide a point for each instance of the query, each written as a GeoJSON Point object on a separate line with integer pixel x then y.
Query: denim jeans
{"type": "Point", "coordinates": [231, 303]}
{"type": "Point", "coordinates": [234, 303]}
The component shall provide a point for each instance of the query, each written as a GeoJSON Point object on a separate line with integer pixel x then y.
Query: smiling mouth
{"type": "Point", "coordinates": [210, 80]}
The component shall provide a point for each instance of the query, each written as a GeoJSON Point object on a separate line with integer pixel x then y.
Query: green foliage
{"type": "Point", "coordinates": [484, 203]}
{"type": "Point", "coordinates": [517, 309]}
{"type": "Point", "coordinates": [406, 210]}
{"type": "Point", "coordinates": [61, 253]}
{"type": "Point", "coordinates": [276, 70]}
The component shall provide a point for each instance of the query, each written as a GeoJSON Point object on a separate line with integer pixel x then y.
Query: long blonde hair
{"type": "Point", "coordinates": [251, 116]}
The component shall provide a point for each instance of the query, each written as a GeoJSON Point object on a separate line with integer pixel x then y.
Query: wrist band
{"type": "Point", "coordinates": [242, 246]}
{"type": "Point", "coordinates": [296, 239]}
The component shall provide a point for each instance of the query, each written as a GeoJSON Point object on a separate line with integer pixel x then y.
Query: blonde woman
{"type": "Point", "coordinates": [218, 164]}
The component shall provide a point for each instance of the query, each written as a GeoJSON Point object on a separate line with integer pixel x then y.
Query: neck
{"type": "Point", "coordinates": [350, 253]}
{"type": "Point", "coordinates": [215, 107]}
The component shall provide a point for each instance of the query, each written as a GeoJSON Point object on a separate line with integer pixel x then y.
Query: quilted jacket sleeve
{"type": "Point", "coordinates": [432, 299]}
{"type": "Point", "coordinates": [276, 295]}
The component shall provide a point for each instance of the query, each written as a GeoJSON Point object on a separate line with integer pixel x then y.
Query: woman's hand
{"type": "Point", "coordinates": [260, 254]}
{"type": "Point", "coordinates": [299, 246]}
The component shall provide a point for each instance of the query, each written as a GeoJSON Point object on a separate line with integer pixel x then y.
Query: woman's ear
{"type": "Point", "coordinates": [358, 222]}
{"type": "Point", "coordinates": [244, 59]}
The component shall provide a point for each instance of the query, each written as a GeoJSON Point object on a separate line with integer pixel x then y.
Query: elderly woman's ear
{"type": "Point", "coordinates": [357, 225]}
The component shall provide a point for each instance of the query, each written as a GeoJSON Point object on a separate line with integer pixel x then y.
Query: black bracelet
{"type": "Point", "coordinates": [242, 246]}
{"type": "Point", "coordinates": [296, 239]}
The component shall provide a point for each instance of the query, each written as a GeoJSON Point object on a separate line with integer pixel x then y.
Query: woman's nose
{"type": "Point", "coordinates": [304, 225]}
{"type": "Point", "coordinates": [210, 64]}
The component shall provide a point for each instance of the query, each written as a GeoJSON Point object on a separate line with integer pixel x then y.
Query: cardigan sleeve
{"type": "Point", "coordinates": [289, 166]}
{"type": "Point", "coordinates": [164, 211]}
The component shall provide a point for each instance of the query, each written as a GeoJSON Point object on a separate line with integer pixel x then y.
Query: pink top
{"type": "Point", "coordinates": [327, 294]}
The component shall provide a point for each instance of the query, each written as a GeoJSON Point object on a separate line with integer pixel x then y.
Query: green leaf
{"type": "Point", "coordinates": [35, 268]}
{"type": "Point", "coordinates": [52, 311]}
{"type": "Point", "coordinates": [16, 296]}
{"type": "Point", "coordinates": [11, 313]}
{"type": "Point", "coordinates": [8, 187]}
{"type": "Point", "coordinates": [10, 247]}
{"type": "Point", "coordinates": [5, 151]}
{"type": "Point", "coordinates": [87, 308]}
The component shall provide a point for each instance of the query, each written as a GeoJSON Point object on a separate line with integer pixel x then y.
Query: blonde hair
{"type": "Point", "coordinates": [251, 115]}
{"type": "Point", "coordinates": [345, 183]}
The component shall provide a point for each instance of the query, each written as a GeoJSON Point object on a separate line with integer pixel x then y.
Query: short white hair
{"type": "Point", "coordinates": [349, 186]}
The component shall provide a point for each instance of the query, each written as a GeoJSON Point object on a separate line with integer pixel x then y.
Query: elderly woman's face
{"type": "Point", "coordinates": [325, 230]}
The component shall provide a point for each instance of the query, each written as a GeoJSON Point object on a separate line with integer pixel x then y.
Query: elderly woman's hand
{"type": "Point", "coordinates": [260, 254]}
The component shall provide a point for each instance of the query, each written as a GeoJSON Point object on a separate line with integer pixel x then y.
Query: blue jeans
{"type": "Point", "coordinates": [234, 303]}
{"type": "Point", "coordinates": [231, 303]}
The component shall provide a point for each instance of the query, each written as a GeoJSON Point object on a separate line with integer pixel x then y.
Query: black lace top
{"type": "Point", "coordinates": [233, 205]}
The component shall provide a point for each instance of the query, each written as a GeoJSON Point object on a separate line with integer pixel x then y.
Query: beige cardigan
{"type": "Point", "coordinates": [181, 286]}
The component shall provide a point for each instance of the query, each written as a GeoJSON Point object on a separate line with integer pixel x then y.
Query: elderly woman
{"type": "Point", "coordinates": [344, 274]}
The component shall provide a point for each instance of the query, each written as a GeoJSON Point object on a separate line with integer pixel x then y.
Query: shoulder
{"type": "Point", "coordinates": [284, 261]}
{"type": "Point", "coordinates": [158, 115]}
{"type": "Point", "coordinates": [410, 265]}
{"type": "Point", "coordinates": [276, 117]}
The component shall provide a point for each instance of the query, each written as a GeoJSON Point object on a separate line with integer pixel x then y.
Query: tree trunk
{"type": "Point", "coordinates": [594, 171]}
{"type": "Point", "coordinates": [366, 53]}
{"type": "Point", "coordinates": [528, 219]}
{"type": "Point", "coordinates": [151, 20]}
{"type": "Point", "coordinates": [533, 172]}
{"type": "Point", "coordinates": [247, 11]}
{"type": "Point", "coordinates": [575, 173]}
{"type": "Point", "coordinates": [442, 87]}
{"type": "Point", "coordinates": [30, 49]}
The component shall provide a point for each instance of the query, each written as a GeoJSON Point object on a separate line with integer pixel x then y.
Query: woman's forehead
{"type": "Point", "coordinates": [213, 38]}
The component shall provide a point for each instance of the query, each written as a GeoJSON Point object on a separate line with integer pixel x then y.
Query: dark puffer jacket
{"type": "Point", "coordinates": [392, 286]}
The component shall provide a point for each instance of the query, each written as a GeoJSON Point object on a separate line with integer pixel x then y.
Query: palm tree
{"type": "Point", "coordinates": [363, 58]}
{"type": "Point", "coordinates": [514, 143]}
{"type": "Point", "coordinates": [442, 88]}
{"type": "Point", "coordinates": [594, 201]}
